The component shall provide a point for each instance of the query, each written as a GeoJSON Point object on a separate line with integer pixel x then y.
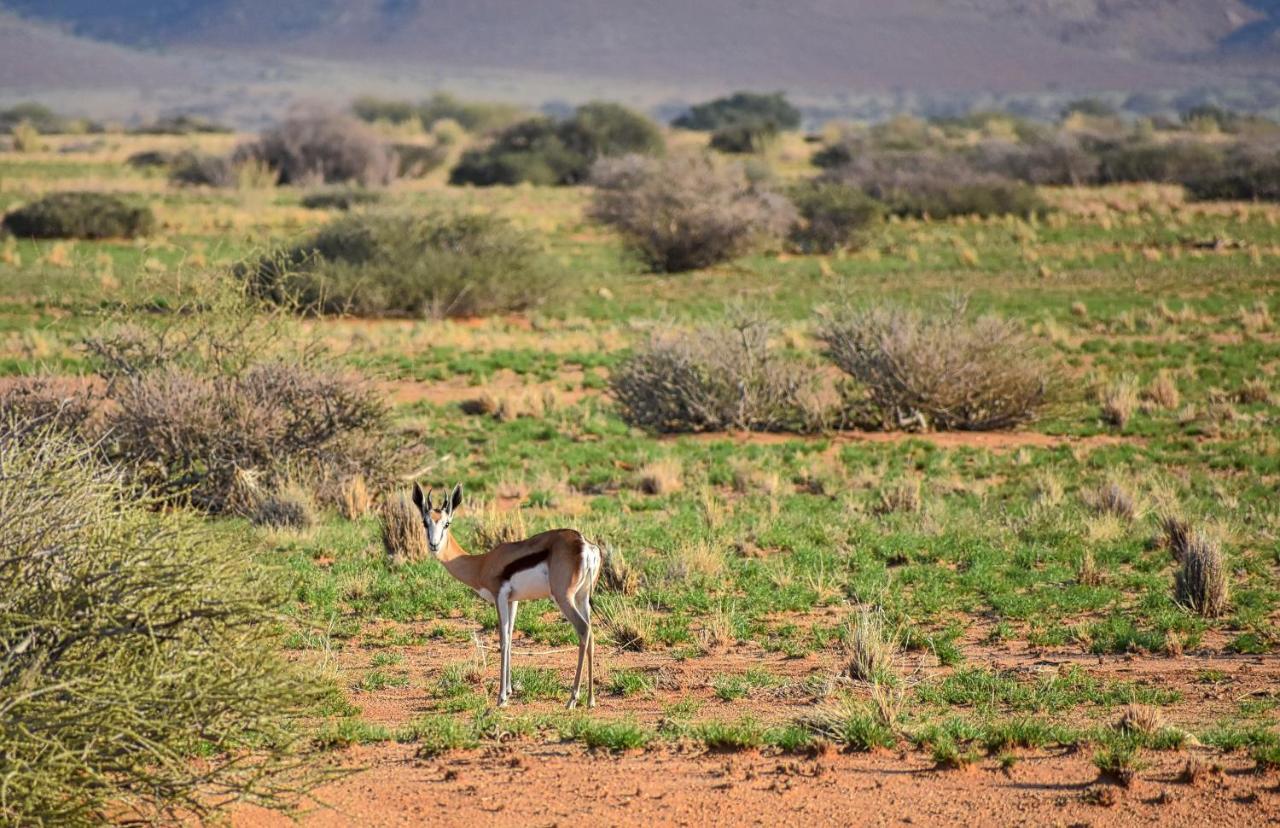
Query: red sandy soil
{"type": "Point", "coordinates": [566, 785]}
{"type": "Point", "coordinates": [534, 781]}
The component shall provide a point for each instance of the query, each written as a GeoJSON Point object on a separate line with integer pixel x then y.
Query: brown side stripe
{"type": "Point", "coordinates": [521, 564]}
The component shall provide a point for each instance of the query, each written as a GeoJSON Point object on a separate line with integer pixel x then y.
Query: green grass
{"type": "Point", "coordinates": [995, 550]}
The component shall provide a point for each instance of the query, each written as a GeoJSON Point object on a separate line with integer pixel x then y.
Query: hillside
{"type": "Point", "coordinates": [817, 45]}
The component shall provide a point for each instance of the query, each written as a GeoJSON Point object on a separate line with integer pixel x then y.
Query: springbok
{"type": "Point", "coordinates": [560, 564]}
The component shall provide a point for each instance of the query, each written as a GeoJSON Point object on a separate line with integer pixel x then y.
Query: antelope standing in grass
{"type": "Point", "coordinates": [560, 564]}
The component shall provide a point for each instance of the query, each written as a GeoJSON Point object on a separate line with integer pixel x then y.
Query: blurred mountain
{"type": "Point", "coordinates": [821, 45]}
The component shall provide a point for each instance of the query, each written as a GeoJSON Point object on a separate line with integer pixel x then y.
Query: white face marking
{"type": "Point", "coordinates": [437, 530]}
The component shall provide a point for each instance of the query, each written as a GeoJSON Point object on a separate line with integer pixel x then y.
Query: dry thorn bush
{"type": "Point", "coordinates": [1203, 585]}
{"type": "Point", "coordinates": [720, 377]}
{"type": "Point", "coordinates": [404, 538]}
{"type": "Point", "coordinates": [936, 371]}
{"type": "Point", "coordinates": [686, 211]}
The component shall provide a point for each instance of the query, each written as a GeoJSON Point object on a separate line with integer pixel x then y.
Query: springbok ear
{"type": "Point", "coordinates": [418, 500]}
{"type": "Point", "coordinates": [455, 500]}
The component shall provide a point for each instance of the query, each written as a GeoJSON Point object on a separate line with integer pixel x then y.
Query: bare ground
{"type": "Point", "coordinates": [533, 781]}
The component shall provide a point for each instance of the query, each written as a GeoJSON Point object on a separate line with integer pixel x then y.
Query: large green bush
{"type": "Point", "coordinates": [832, 216]}
{"type": "Point", "coordinates": [543, 151]}
{"type": "Point", "coordinates": [434, 265]}
{"type": "Point", "coordinates": [938, 186]}
{"type": "Point", "coordinates": [80, 216]}
{"type": "Point", "coordinates": [140, 675]}
{"type": "Point", "coordinates": [740, 107]}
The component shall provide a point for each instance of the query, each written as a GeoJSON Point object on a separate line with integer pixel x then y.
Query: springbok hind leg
{"type": "Point", "coordinates": [583, 630]}
{"type": "Point", "coordinates": [584, 609]}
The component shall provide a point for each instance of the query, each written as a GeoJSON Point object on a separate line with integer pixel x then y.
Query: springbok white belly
{"type": "Point", "coordinates": [529, 584]}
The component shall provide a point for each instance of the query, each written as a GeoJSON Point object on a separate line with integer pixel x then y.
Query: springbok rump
{"type": "Point", "coordinates": [559, 564]}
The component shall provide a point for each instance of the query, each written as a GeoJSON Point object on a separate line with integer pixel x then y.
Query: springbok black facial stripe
{"type": "Point", "coordinates": [527, 562]}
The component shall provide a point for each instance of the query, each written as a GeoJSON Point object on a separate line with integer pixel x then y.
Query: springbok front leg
{"type": "Point", "coordinates": [505, 626]}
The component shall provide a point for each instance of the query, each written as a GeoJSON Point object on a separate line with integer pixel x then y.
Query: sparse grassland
{"type": "Point", "coordinates": [1018, 588]}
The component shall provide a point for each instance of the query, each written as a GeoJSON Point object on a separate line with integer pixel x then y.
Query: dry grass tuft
{"type": "Point", "coordinates": [616, 575]}
{"type": "Point", "coordinates": [901, 496]}
{"type": "Point", "coordinates": [354, 500]}
{"type": "Point", "coordinates": [661, 477]}
{"type": "Point", "coordinates": [1254, 392]}
{"type": "Point", "coordinates": [1204, 585]}
{"type": "Point", "coordinates": [1119, 401]}
{"type": "Point", "coordinates": [1087, 573]}
{"type": "Point", "coordinates": [1112, 498]}
{"type": "Point", "coordinates": [1175, 536]}
{"type": "Point", "coordinates": [1162, 392]}
{"type": "Point", "coordinates": [873, 650]}
{"type": "Point", "coordinates": [1140, 718]}
{"type": "Point", "coordinates": [491, 526]}
{"type": "Point", "coordinates": [403, 536]}
{"type": "Point", "coordinates": [628, 625]}
{"type": "Point", "coordinates": [748, 478]}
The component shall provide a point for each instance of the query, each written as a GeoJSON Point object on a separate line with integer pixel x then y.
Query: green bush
{"type": "Point", "coordinates": [196, 169]}
{"type": "Point", "coordinates": [1249, 173]}
{"type": "Point", "coordinates": [741, 107]}
{"type": "Point", "coordinates": [531, 151]}
{"type": "Point", "coordinates": [744, 137]}
{"type": "Point", "coordinates": [80, 216]}
{"type": "Point", "coordinates": [938, 186]}
{"type": "Point", "coordinates": [832, 216]}
{"type": "Point", "coordinates": [432, 265]}
{"type": "Point", "coordinates": [342, 198]}
{"type": "Point", "coordinates": [686, 211]}
{"type": "Point", "coordinates": [1176, 162]}
{"type": "Point", "coordinates": [546, 152]}
{"type": "Point", "coordinates": [141, 677]}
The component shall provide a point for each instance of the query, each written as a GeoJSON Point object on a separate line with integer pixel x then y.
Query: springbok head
{"type": "Point", "coordinates": [437, 519]}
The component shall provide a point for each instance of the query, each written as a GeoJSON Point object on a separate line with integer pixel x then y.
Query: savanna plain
{"type": "Point", "coordinates": [815, 605]}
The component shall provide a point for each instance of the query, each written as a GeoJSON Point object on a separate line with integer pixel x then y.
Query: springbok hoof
{"type": "Point", "coordinates": [591, 702]}
{"type": "Point", "coordinates": [572, 704]}
{"type": "Point", "coordinates": [502, 702]}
